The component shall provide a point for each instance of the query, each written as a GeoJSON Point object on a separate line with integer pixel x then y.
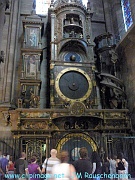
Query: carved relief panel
{"type": "Point", "coordinates": [32, 36]}
{"type": "Point", "coordinates": [31, 66]}
{"type": "Point", "coordinates": [29, 97]}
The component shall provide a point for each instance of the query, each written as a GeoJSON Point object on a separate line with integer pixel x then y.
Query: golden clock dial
{"type": "Point", "coordinates": [77, 108]}
{"type": "Point", "coordinates": [73, 84]}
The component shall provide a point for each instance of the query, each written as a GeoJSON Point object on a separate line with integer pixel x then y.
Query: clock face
{"type": "Point", "coordinates": [72, 57]}
{"type": "Point", "coordinates": [73, 84]}
{"type": "Point", "coordinates": [77, 108]}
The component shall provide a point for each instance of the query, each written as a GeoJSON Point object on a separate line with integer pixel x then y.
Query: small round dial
{"type": "Point", "coordinates": [77, 108]}
{"type": "Point", "coordinates": [72, 57]}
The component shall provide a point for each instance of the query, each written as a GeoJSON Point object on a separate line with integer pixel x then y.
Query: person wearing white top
{"type": "Point", "coordinates": [126, 165]}
{"type": "Point", "coordinates": [63, 171]}
{"type": "Point", "coordinates": [112, 162]}
{"type": "Point", "coordinates": [50, 162]}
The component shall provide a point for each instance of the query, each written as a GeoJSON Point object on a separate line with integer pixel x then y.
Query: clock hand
{"type": "Point", "coordinates": [66, 79]}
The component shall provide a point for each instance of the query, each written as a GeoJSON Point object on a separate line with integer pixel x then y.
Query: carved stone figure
{"type": "Point", "coordinates": [34, 99]}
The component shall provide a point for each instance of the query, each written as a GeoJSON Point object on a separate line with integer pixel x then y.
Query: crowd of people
{"type": "Point", "coordinates": [57, 167]}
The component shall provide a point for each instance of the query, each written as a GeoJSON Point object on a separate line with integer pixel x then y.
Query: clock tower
{"type": "Point", "coordinates": [72, 63]}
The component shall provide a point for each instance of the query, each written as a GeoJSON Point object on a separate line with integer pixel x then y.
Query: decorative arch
{"type": "Point", "coordinates": [73, 142]}
{"type": "Point", "coordinates": [70, 44]}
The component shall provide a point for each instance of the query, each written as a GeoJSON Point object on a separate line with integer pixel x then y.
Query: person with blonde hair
{"type": "Point", "coordinates": [49, 162]}
{"type": "Point", "coordinates": [64, 170]}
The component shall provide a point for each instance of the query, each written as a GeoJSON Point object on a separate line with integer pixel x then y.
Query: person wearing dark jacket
{"type": "Point", "coordinates": [83, 165]}
{"type": "Point", "coordinates": [96, 162]}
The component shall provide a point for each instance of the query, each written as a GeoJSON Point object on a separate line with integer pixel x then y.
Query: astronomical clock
{"type": "Point", "coordinates": [72, 60]}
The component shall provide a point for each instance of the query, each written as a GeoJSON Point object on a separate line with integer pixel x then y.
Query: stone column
{"type": "Point", "coordinates": [117, 16]}
{"type": "Point", "coordinates": [98, 98]}
{"type": "Point", "coordinates": [52, 36]}
{"type": "Point", "coordinates": [55, 51]}
{"type": "Point", "coordinates": [2, 14]}
{"type": "Point", "coordinates": [9, 73]}
{"type": "Point", "coordinates": [43, 91]}
{"type": "Point", "coordinates": [2, 19]}
{"type": "Point", "coordinates": [43, 69]}
{"type": "Point", "coordinates": [107, 16]}
{"type": "Point", "coordinates": [3, 6]}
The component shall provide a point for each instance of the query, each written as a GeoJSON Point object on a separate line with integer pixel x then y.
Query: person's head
{"type": "Point", "coordinates": [33, 159]}
{"type": "Point", "coordinates": [83, 152]}
{"type": "Point", "coordinates": [63, 156]}
{"type": "Point", "coordinates": [23, 155]}
{"type": "Point", "coordinates": [4, 154]}
{"type": "Point", "coordinates": [10, 158]}
{"type": "Point", "coordinates": [53, 153]}
{"type": "Point", "coordinates": [124, 160]}
{"type": "Point", "coordinates": [120, 156]}
{"type": "Point", "coordinates": [94, 154]}
{"type": "Point", "coordinates": [114, 157]}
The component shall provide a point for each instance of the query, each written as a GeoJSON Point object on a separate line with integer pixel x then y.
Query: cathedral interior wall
{"type": "Point", "coordinates": [126, 52]}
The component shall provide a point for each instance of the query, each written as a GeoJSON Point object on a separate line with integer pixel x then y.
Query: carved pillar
{"type": "Point", "coordinates": [52, 36]}
{"type": "Point", "coordinates": [88, 23]}
{"type": "Point", "coordinates": [52, 85]}
{"type": "Point", "coordinates": [55, 51]}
